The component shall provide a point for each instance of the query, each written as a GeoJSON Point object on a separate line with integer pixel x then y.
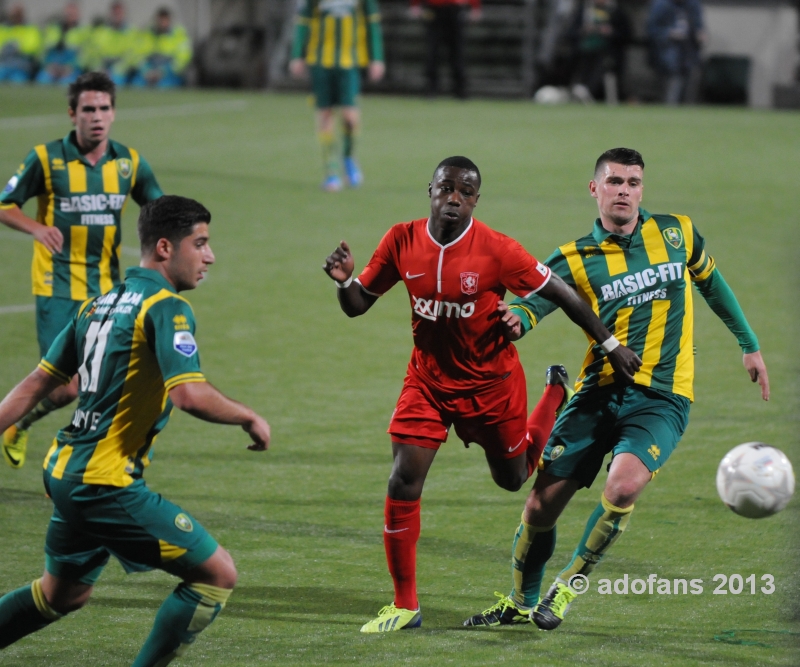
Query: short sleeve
{"type": "Point", "coordinates": [147, 187]}
{"type": "Point", "coordinates": [520, 272]}
{"type": "Point", "coordinates": [61, 360]}
{"type": "Point", "coordinates": [27, 182]}
{"type": "Point", "coordinates": [169, 327]}
{"type": "Point", "coordinates": [381, 273]}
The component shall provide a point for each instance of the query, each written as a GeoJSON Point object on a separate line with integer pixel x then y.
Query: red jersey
{"type": "Point", "coordinates": [459, 344]}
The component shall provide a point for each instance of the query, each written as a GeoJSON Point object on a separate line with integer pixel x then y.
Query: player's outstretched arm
{"type": "Point", "coordinates": [757, 369]}
{"type": "Point", "coordinates": [339, 266]}
{"type": "Point", "coordinates": [202, 400]}
{"type": "Point", "coordinates": [50, 237]}
{"type": "Point", "coordinates": [623, 360]}
{"type": "Point", "coordinates": [24, 397]}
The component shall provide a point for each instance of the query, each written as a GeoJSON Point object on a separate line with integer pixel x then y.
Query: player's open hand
{"type": "Point", "coordinates": [625, 363]}
{"type": "Point", "coordinates": [339, 264]}
{"type": "Point", "coordinates": [259, 431]}
{"type": "Point", "coordinates": [754, 365]}
{"type": "Point", "coordinates": [512, 324]}
{"type": "Point", "coordinates": [50, 237]}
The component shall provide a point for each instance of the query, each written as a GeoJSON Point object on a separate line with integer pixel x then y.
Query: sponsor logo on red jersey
{"type": "Point", "coordinates": [469, 282]}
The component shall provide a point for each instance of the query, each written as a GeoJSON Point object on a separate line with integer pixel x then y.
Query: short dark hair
{"type": "Point", "coordinates": [459, 162]}
{"type": "Point", "coordinates": [619, 156]}
{"type": "Point", "coordinates": [169, 217]}
{"type": "Point", "coordinates": [95, 81]}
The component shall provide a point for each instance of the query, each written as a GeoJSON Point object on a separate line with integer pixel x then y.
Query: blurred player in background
{"type": "Point", "coordinates": [636, 271]}
{"type": "Point", "coordinates": [333, 39]}
{"type": "Point", "coordinates": [65, 41]}
{"type": "Point", "coordinates": [136, 355]}
{"type": "Point", "coordinates": [163, 53]}
{"type": "Point", "coordinates": [82, 183]}
{"type": "Point", "coordinates": [464, 372]}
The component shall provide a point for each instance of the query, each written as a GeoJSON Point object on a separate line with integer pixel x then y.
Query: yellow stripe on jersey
{"type": "Point", "coordinates": [346, 50]}
{"type": "Point", "coordinates": [48, 368]}
{"type": "Point", "coordinates": [654, 243]}
{"type": "Point", "coordinates": [183, 378]}
{"type": "Point", "coordinates": [134, 173]}
{"type": "Point", "coordinates": [683, 376]}
{"type": "Point", "coordinates": [78, 240]}
{"type": "Point", "coordinates": [362, 52]}
{"type": "Point", "coordinates": [76, 171]}
{"type": "Point", "coordinates": [142, 400]}
{"type": "Point", "coordinates": [528, 313]}
{"type": "Point", "coordinates": [313, 39]}
{"type": "Point", "coordinates": [61, 462]}
{"type": "Point", "coordinates": [706, 272]}
{"type": "Point", "coordinates": [651, 354]}
{"type": "Point", "coordinates": [106, 283]}
{"type": "Point", "coordinates": [688, 234]}
{"type": "Point", "coordinates": [169, 551]}
{"type": "Point", "coordinates": [615, 257]}
{"type": "Point", "coordinates": [699, 262]}
{"type": "Point", "coordinates": [329, 42]}
{"type": "Point", "coordinates": [110, 178]}
{"type": "Point", "coordinates": [42, 267]}
{"type": "Point", "coordinates": [621, 326]}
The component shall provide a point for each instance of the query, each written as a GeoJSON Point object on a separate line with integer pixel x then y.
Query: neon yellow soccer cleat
{"type": "Point", "coordinates": [392, 618]}
{"type": "Point", "coordinates": [504, 612]}
{"type": "Point", "coordinates": [15, 444]}
{"type": "Point", "coordinates": [548, 614]}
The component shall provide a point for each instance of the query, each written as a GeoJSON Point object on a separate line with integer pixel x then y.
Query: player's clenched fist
{"type": "Point", "coordinates": [339, 264]}
{"type": "Point", "coordinates": [512, 325]}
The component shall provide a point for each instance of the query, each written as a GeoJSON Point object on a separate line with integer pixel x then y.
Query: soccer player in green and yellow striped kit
{"type": "Point", "coordinates": [82, 183]}
{"type": "Point", "coordinates": [636, 271]}
{"type": "Point", "coordinates": [136, 356]}
{"type": "Point", "coordinates": [334, 38]}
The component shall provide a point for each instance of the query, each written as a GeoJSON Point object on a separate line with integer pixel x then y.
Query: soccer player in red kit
{"type": "Point", "coordinates": [464, 372]}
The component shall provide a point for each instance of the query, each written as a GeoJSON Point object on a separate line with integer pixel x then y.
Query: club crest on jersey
{"type": "Point", "coordinates": [469, 282]}
{"type": "Point", "coordinates": [184, 523]}
{"type": "Point", "coordinates": [124, 167]}
{"type": "Point", "coordinates": [183, 342]}
{"type": "Point", "coordinates": [673, 236]}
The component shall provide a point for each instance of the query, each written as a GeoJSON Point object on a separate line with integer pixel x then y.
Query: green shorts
{"type": "Point", "coordinates": [637, 420]}
{"type": "Point", "coordinates": [140, 528]}
{"type": "Point", "coordinates": [52, 314]}
{"type": "Point", "coordinates": [334, 86]}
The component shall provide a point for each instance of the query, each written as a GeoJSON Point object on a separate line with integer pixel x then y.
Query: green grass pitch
{"type": "Point", "coordinates": [303, 521]}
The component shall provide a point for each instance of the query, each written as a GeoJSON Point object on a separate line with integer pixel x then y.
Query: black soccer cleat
{"type": "Point", "coordinates": [557, 375]}
{"type": "Point", "coordinates": [504, 612]}
{"type": "Point", "coordinates": [548, 614]}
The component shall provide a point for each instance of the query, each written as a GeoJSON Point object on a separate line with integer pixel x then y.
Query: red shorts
{"type": "Point", "coordinates": [494, 418]}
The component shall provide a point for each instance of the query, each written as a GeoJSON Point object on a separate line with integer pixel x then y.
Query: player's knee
{"type": "Point", "coordinates": [226, 575]}
{"type": "Point", "coordinates": [511, 482]}
{"type": "Point", "coordinates": [65, 600]}
{"type": "Point", "coordinates": [404, 487]}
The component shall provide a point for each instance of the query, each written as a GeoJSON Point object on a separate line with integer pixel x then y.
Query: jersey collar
{"type": "Point", "coordinates": [454, 241]}
{"type": "Point", "coordinates": [600, 233]}
{"type": "Point", "coordinates": [73, 152]}
{"type": "Point", "coordinates": [149, 274]}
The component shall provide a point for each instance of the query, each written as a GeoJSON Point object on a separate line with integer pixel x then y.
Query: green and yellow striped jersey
{"type": "Point", "coordinates": [338, 33]}
{"type": "Point", "coordinates": [639, 286]}
{"type": "Point", "coordinates": [85, 202]}
{"type": "Point", "coordinates": [129, 348]}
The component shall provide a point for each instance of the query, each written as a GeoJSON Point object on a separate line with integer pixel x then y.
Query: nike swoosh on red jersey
{"type": "Point", "coordinates": [416, 275]}
{"type": "Point", "coordinates": [399, 530]}
{"type": "Point", "coordinates": [512, 449]}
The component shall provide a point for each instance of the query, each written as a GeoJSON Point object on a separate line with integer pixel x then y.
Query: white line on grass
{"type": "Point", "coordinates": [141, 113]}
{"type": "Point", "coordinates": [25, 308]}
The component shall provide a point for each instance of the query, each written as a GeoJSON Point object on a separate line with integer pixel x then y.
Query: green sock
{"type": "Point", "coordinates": [348, 140]}
{"type": "Point", "coordinates": [44, 408]}
{"type": "Point", "coordinates": [23, 612]}
{"type": "Point", "coordinates": [533, 547]}
{"type": "Point", "coordinates": [329, 157]}
{"type": "Point", "coordinates": [189, 610]}
{"type": "Point", "coordinates": [604, 527]}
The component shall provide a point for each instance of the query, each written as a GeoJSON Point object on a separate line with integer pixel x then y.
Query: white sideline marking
{"type": "Point", "coordinates": [141, 113]}
{"type": "Point", "coordinates": [26, 308]}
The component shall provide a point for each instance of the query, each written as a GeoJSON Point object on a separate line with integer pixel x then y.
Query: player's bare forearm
{"type": "Point", "coordinates": [339, 266]}
{"type": "Point", "coordinates": [757, 370]}
{"type": "Point", "coordinates": [24, 397]}
{"type": "Point", "coordinates": [50, 237]}
{"type": "Point", "coordinates": [204, 401]}
{"type": "Point", "coordinates": [624, 361]}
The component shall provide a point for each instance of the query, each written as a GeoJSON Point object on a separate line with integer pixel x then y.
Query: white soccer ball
{"type": "Point", "coordinates": [755, 480]}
